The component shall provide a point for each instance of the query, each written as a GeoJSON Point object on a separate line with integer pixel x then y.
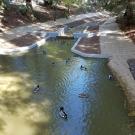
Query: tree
{"type": "Point", "coordinates": [68, 3]}
{"type": "Point", "coordinates": [130, 12]}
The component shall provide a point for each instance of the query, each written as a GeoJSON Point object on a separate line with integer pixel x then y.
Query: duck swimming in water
{"type": "Point", "coordinates": [44, 52]}
{"type": "Point", "coordinates": [36, 89]}
{"type": "Point", "coordinates": [62, 113]}
{"type": "Point", "coordinates": [83, 67]}
{"type": "Point", "coordinates": [110, 77]}
{"type": "Point", "coordinates": [83, 95]}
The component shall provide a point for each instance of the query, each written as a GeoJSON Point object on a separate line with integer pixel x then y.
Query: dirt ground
{"type": "Point", "coordinates": [13, 18]}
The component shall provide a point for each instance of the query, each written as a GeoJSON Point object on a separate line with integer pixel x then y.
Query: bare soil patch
{"type": "Point", "coordinates": [89, 45]}
{"type": "Point", "coordinates": [25, 40]}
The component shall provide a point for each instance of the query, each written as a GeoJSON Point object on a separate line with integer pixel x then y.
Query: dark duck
{"type": "Point", "coordinates": [62, 113]}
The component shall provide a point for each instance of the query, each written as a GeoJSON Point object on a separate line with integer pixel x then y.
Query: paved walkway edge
{"type": "Point", "coordinates": [120, 49]}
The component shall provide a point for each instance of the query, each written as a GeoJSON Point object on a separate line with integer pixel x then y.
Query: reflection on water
{"type": "Point", "coordinates": [57, 71]}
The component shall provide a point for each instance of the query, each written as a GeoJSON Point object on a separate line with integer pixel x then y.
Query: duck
{"type": "Point", "coordinates": [110, 77]}
{"type": "Point", "coordinates": [83, 95]}
{"type": "Point", "coordinates": [44, 52]}
{"type": "Point", "coordinates": [83, 67]}
{"type": "Point", "coordinates": [66, 61]}
{"type": "Point", "coordinates": [62, 113]}
{"type": "Point", "coordinates": [36, 89]}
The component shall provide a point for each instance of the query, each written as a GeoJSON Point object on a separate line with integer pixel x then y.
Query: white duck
{"type": "Point", "coordinates": [36, 89]}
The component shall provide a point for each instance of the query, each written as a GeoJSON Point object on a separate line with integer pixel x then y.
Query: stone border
{"type": "Point", "coordinates": [79, 36]}
{"type": "Point", "coordinates": [23, 49]}
{"type": "Point", "coordinates": [84, 54]}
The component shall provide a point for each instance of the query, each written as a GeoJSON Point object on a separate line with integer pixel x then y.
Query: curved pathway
{"type": "Point", "coordinates": [119, 49]}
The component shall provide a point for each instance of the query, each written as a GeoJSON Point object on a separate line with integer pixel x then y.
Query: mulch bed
{"type": "Point", "coordinates": [89, 45]}
{"type": "Point", "coordinates": [131, 63]}
{"type": "Point", "coordinates": [24, 40]}
{"type": "Point", "coordinates": [94, 28]}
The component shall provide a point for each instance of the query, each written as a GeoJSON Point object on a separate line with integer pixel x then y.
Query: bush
{"type": "Point", "coordinates": [23, 9]}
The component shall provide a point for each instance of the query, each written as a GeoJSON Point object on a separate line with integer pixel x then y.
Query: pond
{"type": "Point", "coordinates": [58, 73]}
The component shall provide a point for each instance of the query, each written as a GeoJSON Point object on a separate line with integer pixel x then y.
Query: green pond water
{"type": "Point", "coordinates": [23, 112]}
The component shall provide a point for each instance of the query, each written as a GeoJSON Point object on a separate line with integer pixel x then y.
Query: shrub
{"type": "Point", "coordinates": [23, 9]}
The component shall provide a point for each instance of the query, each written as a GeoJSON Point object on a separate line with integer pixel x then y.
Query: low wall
{"type": "Point", "coordinates": [126, 81]}
{"type": "Point", "coordinates": [119, 49]}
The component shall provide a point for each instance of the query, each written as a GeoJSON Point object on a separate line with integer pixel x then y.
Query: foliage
{"type": "Point", "coordinates": [0, 2]}
{"type": "Point", "coordinates": [23, 9]}
{"type": "Point", "coordinates": [113, 5]}
{"type": "Point", "coordinates": [127, 7]}
{"type": "Point", "coordinates": [5, 4]}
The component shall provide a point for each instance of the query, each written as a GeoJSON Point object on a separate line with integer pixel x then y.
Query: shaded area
{"type": "Point", "coordinates": [131, 63]}
{"type": "Point", "coordinates": [129, 30]}
{"type": "Point", "coordinates": [75, 23]}
{"type": "Point", "coordinates": [12, 18]}
{"type": "Point", "coordinates": [93, 28]}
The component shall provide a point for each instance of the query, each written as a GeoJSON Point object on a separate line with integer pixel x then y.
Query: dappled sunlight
{"type": "Point", "coordinates": [37, 113]}
{"type": "Point", "coordinates": [23, 112]}
{"type": "Point", "coordinates": [14, 81]}
{"type": "Point", "coordinates": [105, 32]}
{"type": "Point", "coordinates": [19, 113]}
{"type": "Point", "coordinates": [53, 57]}
{"type": "Point", "coordinates": [112, 35]}
{"type": "Point", "coordinates": [2, 40]}
{"type": "Point", "coordinates": [15, 125]}
{"type": "Point", "coordinates": [82, 46]}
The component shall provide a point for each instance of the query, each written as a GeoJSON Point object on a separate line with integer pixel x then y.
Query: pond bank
{"type": "Point", "coordinates": [119, 49]}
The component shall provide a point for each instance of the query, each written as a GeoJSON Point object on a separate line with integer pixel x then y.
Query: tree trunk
{"type": "Point", "coordinates": [55, 12]}
{"type": "Point", "coordinates": [130, 12]}
{"type": "Point", "coordinates": [68, 10]}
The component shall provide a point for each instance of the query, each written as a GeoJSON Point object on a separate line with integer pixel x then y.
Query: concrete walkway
{"type": "Point", "coordinates": [119, 49]}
